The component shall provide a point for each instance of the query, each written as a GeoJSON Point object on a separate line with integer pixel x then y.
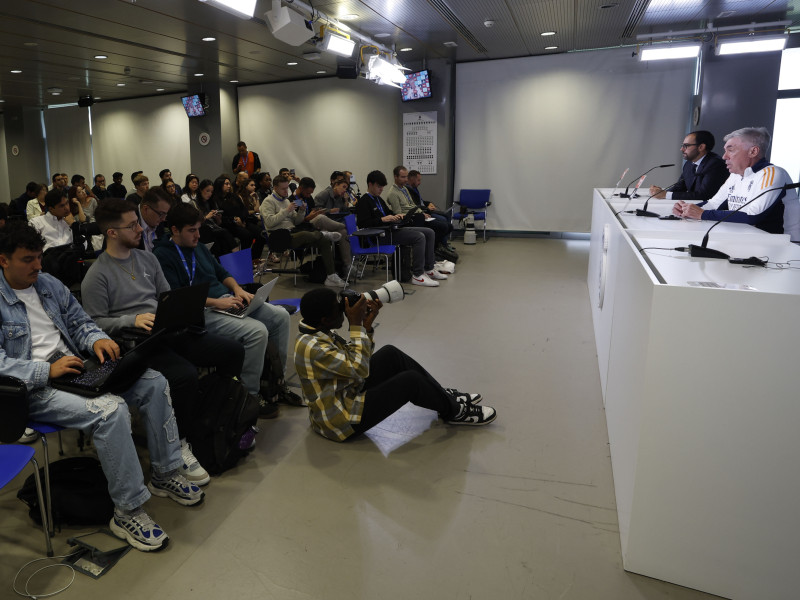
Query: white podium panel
{"type": "Point", "coordinates": [701, 393]}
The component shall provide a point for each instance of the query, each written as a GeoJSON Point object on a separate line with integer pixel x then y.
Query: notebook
{"type": "Point", "coordinates": [260, 297]}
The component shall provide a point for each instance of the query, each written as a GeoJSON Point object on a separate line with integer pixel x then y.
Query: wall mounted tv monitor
{"type": "Point", "coordinates": [194, 105]}
{"type": "Point", "coordinates": [417, 86]}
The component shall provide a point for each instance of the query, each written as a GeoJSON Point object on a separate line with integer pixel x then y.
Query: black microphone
{"type": "Point", "coordinates": [627, 187]}
{"type": "Point", "coordinates": [702, 252]}
{"type": "Point", "coordinates": [643, 212]}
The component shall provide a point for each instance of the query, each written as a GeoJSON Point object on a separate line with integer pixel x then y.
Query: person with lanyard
{"type": "Point", "coordinates": [372, 211]}
{"type": "Point", "coordinates": [120, 292]}
{"type": "Point", "coordinates": [152, 212]}
{"type": "Point", "coordinates": [245, 160]}
{"type": "Point", "coordinates": [186, 262]}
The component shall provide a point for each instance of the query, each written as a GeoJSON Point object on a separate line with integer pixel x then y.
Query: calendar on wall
{"type": "Point", "coordinates": [419, 142]}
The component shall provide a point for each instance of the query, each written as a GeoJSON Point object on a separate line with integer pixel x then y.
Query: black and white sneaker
{"type": "Point", "coordinates": [464, 397]}
{"type": "Point", "coordinates": [472, 414]}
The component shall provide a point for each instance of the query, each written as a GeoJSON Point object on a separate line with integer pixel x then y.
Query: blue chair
{"type": "Point", "coordinates": [362, 254]}
{"type": "Point", "coordinates": [13, 459]}
{"type": "Point", "coordinates": [472, 202]}
{"type": "Point", "coordinates": [240, 266]}
{"type": "Point", "coordinates": [43, 429]}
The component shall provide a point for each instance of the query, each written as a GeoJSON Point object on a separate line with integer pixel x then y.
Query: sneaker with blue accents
{"type": "Point", "coordinates": [138, 529]}
{"type": "Point", "coordinates": [175, 486]}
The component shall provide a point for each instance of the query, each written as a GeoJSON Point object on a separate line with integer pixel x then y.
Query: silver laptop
{"type": "Point", "coordinates": [260, 297]}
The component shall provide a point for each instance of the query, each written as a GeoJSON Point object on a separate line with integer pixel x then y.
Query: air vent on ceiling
{"type": "Point", "coordinates": [456, 23]}
{"type": "Point", "coordinates": [639, 8]}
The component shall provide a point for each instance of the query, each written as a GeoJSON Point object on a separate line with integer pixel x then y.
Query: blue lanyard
{"type": "Point", "coordinates": [378, 204]}
{"type": "Point", "coordinates": [186, 266]}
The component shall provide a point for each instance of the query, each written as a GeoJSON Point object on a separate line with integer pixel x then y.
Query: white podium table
{"type": "Point", "coordinates": [701, 392]}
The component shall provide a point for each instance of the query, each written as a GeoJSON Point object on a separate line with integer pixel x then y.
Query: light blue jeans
{"type": "Point", "coordinates": [267, 322]}
{"type": "Point", "coordinates": [107, 419]}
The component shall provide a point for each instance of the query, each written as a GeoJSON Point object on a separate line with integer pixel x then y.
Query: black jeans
{"type": "Point", "coordinates": [395, 379]}
{"type": "Point", "coordinates": [177, 358]}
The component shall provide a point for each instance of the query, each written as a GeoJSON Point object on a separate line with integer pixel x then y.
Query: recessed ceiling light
{"type": "Point", "coordinates": [199, 74]}
{"type": "Point", "coordinates": [382, 35]}
{"type": "Point", "coordinates": [1, 100]}
{"type": "Point", "coordinates": [451, 44]}
{"type": "Point", "coordinates": [16, 71]}
{"type": "Point", "coordinates": [30, 44]}
{"type": "Point", "coordinates": [209, 39]}
{"type": "Point", "coordinates": [97, 98]}
{"type": "Point", "coordinates": [551, 47]}
{"type": "Point", "coordinates": [159, 89]}
{"type": "Point", "coordinates": [234, 81]}
{"type": "Point", "coordinates": [545, 33]}
{"type": "Point", "coordinates": [321, 72]}
{"type": "Point", "coordinates": [406, 49]}
{"type": "Point", "coordinates": [120, 85]}
{"type": "Point", "coordinates": [291, 64]}
{"type": "Point", "coordinates": [101, 56]}
{"type": "Point", "coordinates": [348, 17]}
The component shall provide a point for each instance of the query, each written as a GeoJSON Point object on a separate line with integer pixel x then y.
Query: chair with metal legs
{"type": "Point", "coordinates": [13, 459]}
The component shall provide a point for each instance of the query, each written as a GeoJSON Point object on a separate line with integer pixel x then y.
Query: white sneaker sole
{"type": "Point", "coordinates": [124, 534]}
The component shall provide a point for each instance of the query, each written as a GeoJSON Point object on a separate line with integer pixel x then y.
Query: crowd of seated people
{"type": "Point", "coordinates": [146, 240]}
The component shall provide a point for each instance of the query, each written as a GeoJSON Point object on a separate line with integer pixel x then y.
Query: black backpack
{"type": "Point", "coordinates": [79, 496]}
{"type": "Point", "coordinates": [314, 270]}
{"type": "Point", "coordinates": [225, 426]}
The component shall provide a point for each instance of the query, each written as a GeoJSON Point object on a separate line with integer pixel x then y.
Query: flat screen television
{"type": "Point", "coordinates": [416, 87]}
{"type": "Point", "coordinates": [194, 105]}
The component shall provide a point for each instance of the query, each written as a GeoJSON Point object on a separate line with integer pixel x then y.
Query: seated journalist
{"type": "Point", "coordinates": [40, 320]}
{"type": "Point", "coordinates": [350, 388]}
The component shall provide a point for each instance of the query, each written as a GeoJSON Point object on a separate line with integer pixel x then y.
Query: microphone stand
{"type": "Point", "coordinates": [702, 252]}
{"type": "Point", "coordinates": [626, 195]}
{"type": "Point", "coordinates": [643, 212]}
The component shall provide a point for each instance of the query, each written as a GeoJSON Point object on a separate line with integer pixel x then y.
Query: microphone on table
{"type": "Point", "coordinates": [625, 195]}
{"type": "Point", "coordinates": [643, 212]}
{"type": "Point", "coordinates": [621, 177]}
{"type": "Point", "coordinates": [702, 251]}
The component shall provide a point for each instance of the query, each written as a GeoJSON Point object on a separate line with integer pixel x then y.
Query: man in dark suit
{"type": "Point", "coordinates": [704, 172]}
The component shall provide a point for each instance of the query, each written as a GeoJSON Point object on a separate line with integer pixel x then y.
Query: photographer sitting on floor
{"type": "Point", "coordinates": [349, 388]}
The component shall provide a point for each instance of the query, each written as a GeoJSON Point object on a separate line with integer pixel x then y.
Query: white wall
{"type": "Point", "coordinates": [319, 126]}
{"type": "Point", "coordinates": [144, 134]}
{"type": "Point", "coordinates": [6, 194]}
{"type": "Point", "coordinates": [541, 132]}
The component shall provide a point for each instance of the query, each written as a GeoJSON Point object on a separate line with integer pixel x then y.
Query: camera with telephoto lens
{"type": "Point", "coordinates": [387, 293]}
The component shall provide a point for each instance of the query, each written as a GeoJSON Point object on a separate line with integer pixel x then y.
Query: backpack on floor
{"type": "Point", "coordinates": [314, 270]}
{"type": "Point", "coordinates": [80, 493]}
{"type": "Point", "coordinates": [226, 423]}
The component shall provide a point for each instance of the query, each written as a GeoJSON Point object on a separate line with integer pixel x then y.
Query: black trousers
{"type": "Point", "coordinates": [178, 357]}
{"type": "Point", "coordinates": [395, 379]}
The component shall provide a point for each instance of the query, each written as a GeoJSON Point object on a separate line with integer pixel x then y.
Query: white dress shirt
{"type": "Point", "coordinates": [55, 231]}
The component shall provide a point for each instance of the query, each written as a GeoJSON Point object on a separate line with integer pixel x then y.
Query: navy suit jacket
{"type": "Point", "coordinates": [703, 184]}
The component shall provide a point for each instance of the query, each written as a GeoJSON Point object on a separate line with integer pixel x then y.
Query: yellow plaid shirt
{"type": "Point", "coordinates": [332, 372]}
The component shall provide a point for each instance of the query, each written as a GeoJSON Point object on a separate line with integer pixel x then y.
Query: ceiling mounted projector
{"type": "Point", "coordinates": [287, 25]}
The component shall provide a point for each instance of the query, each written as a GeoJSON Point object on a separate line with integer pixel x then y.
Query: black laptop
{"type": "Point", "coordinates": [111, 377]}
{"type": "Point", "coordinates": [181, 308]}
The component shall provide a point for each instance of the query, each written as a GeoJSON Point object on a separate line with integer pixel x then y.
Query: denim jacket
{"type": "Point", "coordinates": [77, 329]}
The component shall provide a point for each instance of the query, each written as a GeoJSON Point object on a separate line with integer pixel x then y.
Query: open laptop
{"type": "Point", "coordinates": [260, 297]}
{"type": "Point", "coordinates": [113, 376]}
{"type": "Point", "coordinates": [181, 308]}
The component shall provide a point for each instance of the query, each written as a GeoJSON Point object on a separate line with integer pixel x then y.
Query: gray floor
{"type": "Point", "coordinates": [523, 508]}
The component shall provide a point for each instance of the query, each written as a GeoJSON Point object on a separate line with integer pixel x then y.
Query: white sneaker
{"type": "Point", "coordinates": [434, 274]}
{"type": "Point", "coordinates": [333, 236]}
{"type": "Point", "coordinates": [191, 469]}
{"type": "Point", "coordinates": [333, 280]}
{"type": "Point", "coordinates": [28, 437]}
{"type": "Point", "coordinates": [445, 266]}
{"type": "Point", "coordinates": [424, 280]}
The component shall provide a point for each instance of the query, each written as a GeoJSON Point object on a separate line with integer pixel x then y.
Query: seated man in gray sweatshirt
{"type": "Point", "coordinates": [278, 212]}
{"type": "Point", "coordinates": [121, 291]}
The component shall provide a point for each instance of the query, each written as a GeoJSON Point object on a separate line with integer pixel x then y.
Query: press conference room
{"type": "Point", "coordinates": [643, 446]}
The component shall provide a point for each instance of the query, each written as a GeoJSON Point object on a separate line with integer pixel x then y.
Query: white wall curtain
{"type": "Point", "coordinates": [143, 134]}
{"type": "Point", "coordinates": [541, 132]}
{"type": "Point", "coordinates": [320, 126]}
{"type": "Point", "coordinates": [68, 143]}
